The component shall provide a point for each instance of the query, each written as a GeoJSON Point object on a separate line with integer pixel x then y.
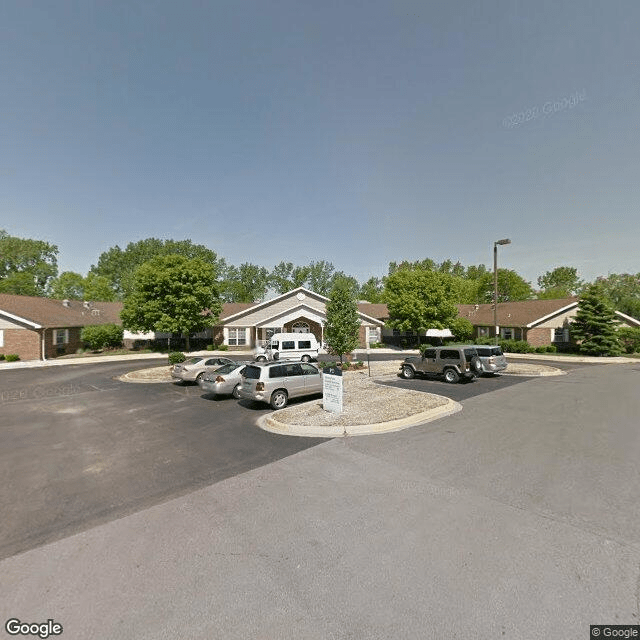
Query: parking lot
{"type": "Point", "coordinates": [79, 447]}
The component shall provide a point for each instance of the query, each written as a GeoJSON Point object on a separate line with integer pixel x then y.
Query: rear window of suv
{"type": "Point", "coordinates": [252, 372]}
{"type": "Point", "coordinates": [487, 352]}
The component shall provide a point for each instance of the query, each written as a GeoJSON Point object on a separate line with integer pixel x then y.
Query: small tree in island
{"type": "Point", "coordinates": [172, 294]}
{"type": "Point", "coordinates": [343, 322]}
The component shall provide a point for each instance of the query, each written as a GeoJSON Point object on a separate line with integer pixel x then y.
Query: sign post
{"type": "Point", "coordinates": [332, 389]}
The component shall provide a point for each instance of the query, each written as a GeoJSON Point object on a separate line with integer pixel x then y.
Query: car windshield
{"type": "Point", "coordinates": [193, 360]}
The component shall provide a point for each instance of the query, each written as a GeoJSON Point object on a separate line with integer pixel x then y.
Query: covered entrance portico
{"type": "Point", "coordinates": [297, 321]}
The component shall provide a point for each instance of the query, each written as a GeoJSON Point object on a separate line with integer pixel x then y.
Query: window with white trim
{"type": "Point", "coordinates": [60, 336]}
{"type": "Point", "coordinates": [561, 334]}
{"type": "Point", "coordinates": [483, 332]}
{"type": "Point", "coordinates": [237, 337]}
{"type": "Point", "coordinates": [506, 333]}
{"type": "Point", "coordinates": [300, 327]}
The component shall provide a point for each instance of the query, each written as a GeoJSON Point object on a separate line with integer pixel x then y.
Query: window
{"type": "Point", "coordinates": [483, 332]}
{"type": "Point", "coordinates": [448, 354]}
{"type": "Point", "coordinates": [429, 353]}
{"type": "Point", "coordinates": [292, 370]}
{"type": "Point", "coordinates": [299, 327]}
{"type": "Point", "coordinates": [506, 333]}
{"type": "Point", "coordinates": [288, 344]}
{"type": "Point", "coordinates": [60, 336]}
{"type": "Point", "coordinates": [276, 372]}
{"type": "Point", "coordinates": [308, 370]}
{"type": "Point", "coordinates": [304, 344]}
{"type": "Point", "coordinates": [561, 334]}
{"type": "Point", "coordinates": [237, 337]}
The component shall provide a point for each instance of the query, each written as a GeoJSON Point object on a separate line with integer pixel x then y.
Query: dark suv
{"type": "Point", "coordinates": [454, 363]}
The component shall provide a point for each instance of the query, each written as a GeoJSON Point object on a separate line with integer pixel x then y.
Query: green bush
{"type": "Point", "coordinates": [376, 345]}
{"type": "Point", "coordinates": [516, 346]}
{"type": "Point", "coordinates": [12, 357]}
{"type": "Point", "coordinates": [551, 348]}
{"type": "Point", "coordinates": [99, 336]}
{"type": "Point", "coordinates": [176, 356]}
{"type": "Point", "coordinates": [630, 338]}
{"type": "Point", "coordinates": [210, 347]}
{"type": "Point", "coordinates": [1, 356]}
{"type": "Point", "coordinates": [223, 347]}
{"type": "Point", "coordinates": [346, 365]}
{"type": "Point", "coordinates": [542, 349]}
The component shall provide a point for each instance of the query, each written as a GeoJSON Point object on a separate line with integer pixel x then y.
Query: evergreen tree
{"type": "Point", "coordinates": [594, 326]}
{"type": "Point", "coordinates": [343, 323]}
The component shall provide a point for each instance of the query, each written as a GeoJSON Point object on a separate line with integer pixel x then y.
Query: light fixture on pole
{"type": "Point", "coordinates": [495, 284]}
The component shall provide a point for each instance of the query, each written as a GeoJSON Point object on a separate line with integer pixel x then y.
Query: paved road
{"type": "Point", "coordinates": [78, 447]}
{"type": "Point", "coordinates": [520, 523]}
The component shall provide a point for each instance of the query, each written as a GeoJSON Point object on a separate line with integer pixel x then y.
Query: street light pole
{"type": "Point", "coordinates": [495, 285]}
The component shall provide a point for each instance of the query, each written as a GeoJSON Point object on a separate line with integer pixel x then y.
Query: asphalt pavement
{"type": "Point", "coordinates": [517, 517]}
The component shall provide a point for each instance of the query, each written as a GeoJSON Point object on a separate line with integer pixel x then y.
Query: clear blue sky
{"type": "Point", "coordinates": [357, 132]}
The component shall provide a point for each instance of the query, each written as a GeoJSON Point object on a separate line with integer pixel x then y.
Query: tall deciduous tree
{"type": "Point", "coordinates": [68, 285]}
{"type": "Point", "coordinates": [343, 323]}
{"type": "Point", "coordinates": [119, 265]}
{"type": "Point", "coordinates": [285, 277]}
{"type": "Point", "coordinates": [247, 283]}
{"type": "Point", "coordinates": [320, 277]}
{"type": "Point", "coordinates": [171, 294]}
{"type": "Point", "coordinates": [622, 290]}
{"type": "Point", "coordinates": [595, 324]}
{"type": "Point", "coordinates": [372, 290]}
{"type": "Point", "coordinates": [26, 266]}
{"type": "Point", "coordinates": [511, 287]}
{"type": "Point", "coordinates": [561, 282]}
{"type": "Point", "coordinates": [418, 299]}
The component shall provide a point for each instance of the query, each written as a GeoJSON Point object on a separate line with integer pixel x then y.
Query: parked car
{"type": "Point", "coordinates": [454, 363]}
{"type": "Point", "coordinates": [491, 357]}
{"type": "Point", "coordinates": [193, 369]}
{"type": "Point", "coordinates": [290, 346]}
{"type": "Point", "coordinates": [224, 380]}
{"type": "Point", "coordinates": [276, 382]}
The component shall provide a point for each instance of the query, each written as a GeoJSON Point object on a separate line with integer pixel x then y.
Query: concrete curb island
{"type": "Point", "coordinates": [272, 424]}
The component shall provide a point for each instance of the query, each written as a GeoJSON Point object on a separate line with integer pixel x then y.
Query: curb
{"type": "Point", "coordinates": [269, 423]}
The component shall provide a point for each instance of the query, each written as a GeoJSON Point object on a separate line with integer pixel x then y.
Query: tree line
{"type": "Point", "coordinates": [29, 267]}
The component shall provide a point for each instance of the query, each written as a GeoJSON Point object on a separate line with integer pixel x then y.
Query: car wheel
{"type": "Point", "coordinates": [305, 358]}
{"type": "Point", "coordinates": [476, 364]}
{"type": "Point", "coordinates": [451, 376]}
{"type": "Point", "coordinates": [276, 356]}
{"type": "Point", "coordinates": [236, 392]}
{"type": "Point", "coordinates": [261, 359]}
{"type": "Point", "coordinates": [408, 373]}
{"type": "Point", "coordinates": [199, 377]}
{"type": "Point", "coordinates": [279, 399]}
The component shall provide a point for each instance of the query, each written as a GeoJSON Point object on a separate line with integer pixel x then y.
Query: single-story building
{"type": "Point", "coordinates": [40, 328]}
{"type": "Point", "coordinates": [539, 322]}
{"type": "Point", "coordinates": [247, 325]}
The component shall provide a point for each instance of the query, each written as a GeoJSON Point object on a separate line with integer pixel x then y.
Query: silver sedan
{"type": "Point", "coordinates": [223, 381]}
{"type": "Point", "coordinates": [194, 369]}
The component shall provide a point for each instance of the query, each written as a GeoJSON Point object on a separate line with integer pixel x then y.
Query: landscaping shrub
{"type": "Point", "coordinates": [515, 346]}
{"type": "Point", "coordinates": [551, 348]}
{"type": "Point", "coordinates": [630, 338]}
{"type": "Point", "coordinates": [1, 356]}
{"type": "Point", "coordinates": [12, 357]}
{"type": "Point", "coordinates": [210, 347]}
{"type": "Point", "coordinates": [222, 347]}
{"type": "Point", "coordinates": [542, 349]}
{"type": "Point", "coordinates": [176, 356]}
{"type": "Point", "coordinates": [346, 365]}
{"type": "Point", "coordinates": [99, 336]}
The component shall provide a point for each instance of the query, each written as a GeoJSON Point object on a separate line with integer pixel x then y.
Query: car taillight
{"type": "Point", "coordinates": [219, 379]}
{"type": "Point", "coordinates": [259, 386]}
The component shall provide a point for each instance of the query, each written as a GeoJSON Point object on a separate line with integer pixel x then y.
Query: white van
{"type": "Point", "coordinates": [290, 346]}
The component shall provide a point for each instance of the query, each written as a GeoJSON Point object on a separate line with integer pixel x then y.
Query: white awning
{"type": "Point", "coordinates": [439, 333]}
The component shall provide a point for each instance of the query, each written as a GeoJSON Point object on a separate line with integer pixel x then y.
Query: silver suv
{"type": "Point", "coordinates": [454, 363]}
{"type": "Point", "coordinates": [276, 382]}
{"type": "Point", "coordinates": [491, 358]}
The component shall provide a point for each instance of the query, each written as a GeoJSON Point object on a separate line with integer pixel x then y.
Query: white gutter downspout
{"type": "Point", "coordinates": [42, 343]}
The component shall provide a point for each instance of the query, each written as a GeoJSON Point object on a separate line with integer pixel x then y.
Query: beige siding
{"type": "Point", "coordinates": [280, 307]}
{"type": "Point", "coordinates": [558, 321]}
{"type": "Point", "coordinates": [7, 324]}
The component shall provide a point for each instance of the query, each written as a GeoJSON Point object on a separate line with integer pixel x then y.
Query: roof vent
{"type": "Point", "coordinates": [66, 303]}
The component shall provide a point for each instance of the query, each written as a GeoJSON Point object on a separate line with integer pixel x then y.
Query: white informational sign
{"type": "Point", "coordinates": [332, 390]}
